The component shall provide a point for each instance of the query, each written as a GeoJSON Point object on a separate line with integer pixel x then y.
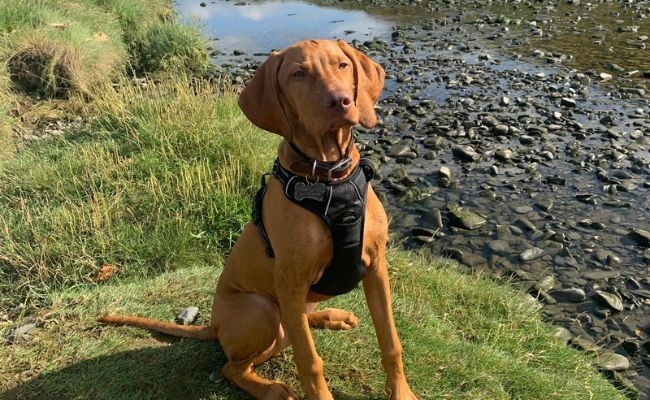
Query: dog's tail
{"type": "Point", "coordinates": [197, 332]}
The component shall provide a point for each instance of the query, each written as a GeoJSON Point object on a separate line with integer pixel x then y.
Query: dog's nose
{"type": "Point", "coordinates": [340, 99]}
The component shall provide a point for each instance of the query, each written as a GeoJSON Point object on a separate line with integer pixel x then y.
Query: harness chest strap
{"type": "Point", "coordinates": [341, 204]}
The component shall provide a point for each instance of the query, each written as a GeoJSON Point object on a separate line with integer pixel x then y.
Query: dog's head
{"type": "Point", "coordinates": [313, 87]}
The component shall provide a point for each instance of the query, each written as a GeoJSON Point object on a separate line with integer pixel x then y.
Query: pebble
{"type": "Point", "coordinates": [187, 316]}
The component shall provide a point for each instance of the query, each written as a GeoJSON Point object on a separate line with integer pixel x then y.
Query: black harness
{"type": "Point", "coordinates": [341, 204]}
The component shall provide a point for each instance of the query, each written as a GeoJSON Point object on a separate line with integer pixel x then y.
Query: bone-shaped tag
{"type": "Point", "coordinates": [313, 191]}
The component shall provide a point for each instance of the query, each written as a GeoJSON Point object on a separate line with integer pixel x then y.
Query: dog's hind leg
{"type": "Point", "coordinates": [250, 333]}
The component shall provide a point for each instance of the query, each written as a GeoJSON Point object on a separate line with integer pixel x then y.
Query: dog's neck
{"type": "Point", "coordinates": [330, 157]}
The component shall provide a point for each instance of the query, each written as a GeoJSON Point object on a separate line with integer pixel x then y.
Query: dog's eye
{"type": "Point", "coordinates": [343, 65]}
{"type": "Point", "coordinates": [299, 74]}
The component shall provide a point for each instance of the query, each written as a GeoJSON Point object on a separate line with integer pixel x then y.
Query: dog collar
{"type": "Point", "coordinates": [321, 170]}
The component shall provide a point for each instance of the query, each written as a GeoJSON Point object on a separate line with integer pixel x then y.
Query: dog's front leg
{"type": "Point", "coordinates": [377, 292]}
{"type": "Point", "coordinates": [292, 299]}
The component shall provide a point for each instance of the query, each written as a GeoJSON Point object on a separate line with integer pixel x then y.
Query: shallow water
{"type": "Point", "coordinates": [259, 27]}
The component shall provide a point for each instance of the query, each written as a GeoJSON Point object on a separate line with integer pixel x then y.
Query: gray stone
{"type": "Point", "coordinates": [187, 316]}
{"type": "Point", "coordinates": [611, 361]}
{"type": "Point", "coordinates": [466, 153]}
{"type": "Point", "coordinates": [641, 236]}
{"type": "Point", "coordinates": [568, 102]}
{"type": "Point", "coordinates": [500, 247]}
{"type": "Point", "coordinates": [462, 218]}
{"type": "Point", "coordinates": [563, 335]}
{"type": "Point", "coordinates": [545, 204]}
{"type": "Point", "coordinates": [20, 334]}
{"type": "Point", "coordinates": [399, 150]}
{"type": "Point", "coordinates": [572, 295]}
{"type": "Point", "coordinates": [531, 254]}
{"type": "Point", "coordinates": [611, 300]}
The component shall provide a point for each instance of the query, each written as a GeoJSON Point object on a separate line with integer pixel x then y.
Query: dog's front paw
{"type": "Point", "coordinates": [401, 392]}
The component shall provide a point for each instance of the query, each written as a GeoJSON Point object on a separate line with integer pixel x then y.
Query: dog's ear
{"type": "Point", "coordinates": [260, 99]}
{"type": "Point", "coordinates": [369, 82]}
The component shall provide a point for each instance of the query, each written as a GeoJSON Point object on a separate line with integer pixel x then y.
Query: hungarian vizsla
{"type": "Point", "coordinates": [311, 94]}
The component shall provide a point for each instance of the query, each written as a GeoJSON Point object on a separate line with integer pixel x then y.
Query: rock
{"type": "Point", "coordinates": [500, 130]}
{"type": "Point", "coordinates": [500, 247]}
{"type": "Point", "coordinates": [399, 150]}
{"type": "Point", "coordinates": [611, 300]}
{"type": "Point", "coordinates": [572, 295]}
{"type": "Point", "coordinates": [563, 335]}
{"type": "Point", "coordinates": [20, 334]}
{"type": "Point", "coordinates": [587, 198]}
{"type": "Point", "coordinates": [466, 153]}
{"type": "Point", "coordinates": [187, 316]}
{"type": "Point", "coordinates": [641, 236]}
{"type": "Point", "coordinates": [568, 102]}
{"type": "Point", "coordinates": [445, 172]}
{"type": "Point", "coordinates": [545, 204]}
{"type": "Point", "coordinates": [611, 361]}
{"type": "Point", "coordinates": [466, 219]}
{"type": "Point", "coordinates": [531, 254]}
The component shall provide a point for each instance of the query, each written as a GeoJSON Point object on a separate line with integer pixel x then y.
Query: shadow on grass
{"type": "Point", "coordinates": [178, 370]}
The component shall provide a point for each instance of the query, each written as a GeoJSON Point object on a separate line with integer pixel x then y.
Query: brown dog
{"type": "Point", "coordinates": [311, 94]}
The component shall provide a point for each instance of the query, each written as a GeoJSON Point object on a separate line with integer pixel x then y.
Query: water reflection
{"type": "Point", "coordinates": [261, 27]}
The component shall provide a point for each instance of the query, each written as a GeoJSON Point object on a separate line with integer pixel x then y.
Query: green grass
{"type": "Point", "coordinates": [464, 337]}
{"type": "Point", "coordinates": [162, 178]}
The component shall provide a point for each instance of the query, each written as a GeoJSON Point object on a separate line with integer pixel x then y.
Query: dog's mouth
{"type": "Point", "coordinates": [343, 118]}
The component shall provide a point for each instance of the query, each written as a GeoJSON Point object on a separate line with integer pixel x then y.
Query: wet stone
{"type": "Point", "coordinates": [501, 247]}
{"type": "Point", "coordinates": [466, 219]}
{"type": "Point", "coordinates": [641, 236]}
{"type": "Point", "coordinates": [572, 295]}
{"type": "Point", "coordinates": [399, 150]}
{"type": "Point", "coordinates": [611, 300]}
{"type": "Point", "coordinates": [466, 153]}
{"type": "Point", "coordinates": [545, 204]}
{"type": "Point", "coordinates": [531, 254]}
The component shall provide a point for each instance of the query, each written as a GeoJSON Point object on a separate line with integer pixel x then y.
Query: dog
{"type": "Point", "coordinates": [285, 261]}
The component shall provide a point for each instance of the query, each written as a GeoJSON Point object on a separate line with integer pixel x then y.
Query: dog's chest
{"type": "Point", "coordinates": [341, 205]}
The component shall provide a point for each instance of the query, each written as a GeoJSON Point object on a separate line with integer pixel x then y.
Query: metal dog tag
{"type": "Point", "coordinates": [312, 191]}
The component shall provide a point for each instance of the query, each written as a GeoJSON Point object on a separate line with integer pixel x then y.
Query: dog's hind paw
{"type": "Point", "coordinates": [332, 318]}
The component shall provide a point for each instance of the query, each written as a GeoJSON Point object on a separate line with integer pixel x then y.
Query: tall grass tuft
{"type": "Point", "coordinates": [161, 179]}
{"type": "Point", "coordinates": [170, 47]}
{"type": "Point", "coordinates": [56, 46]}
{"type": "Point", "coordinates": [6, 121]}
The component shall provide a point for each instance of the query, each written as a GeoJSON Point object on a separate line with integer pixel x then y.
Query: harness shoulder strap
{"type": "Point", "coordinates": [257, 217]}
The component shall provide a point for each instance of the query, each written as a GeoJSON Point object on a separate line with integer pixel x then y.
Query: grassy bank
{"type": "Point", "coordinates": [161, 178]}
{"type": "Point", "coordinates": [464, 338]}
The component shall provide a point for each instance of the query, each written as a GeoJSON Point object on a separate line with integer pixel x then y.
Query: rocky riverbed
{"type": "Point", "coordinates": [528, 163]}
